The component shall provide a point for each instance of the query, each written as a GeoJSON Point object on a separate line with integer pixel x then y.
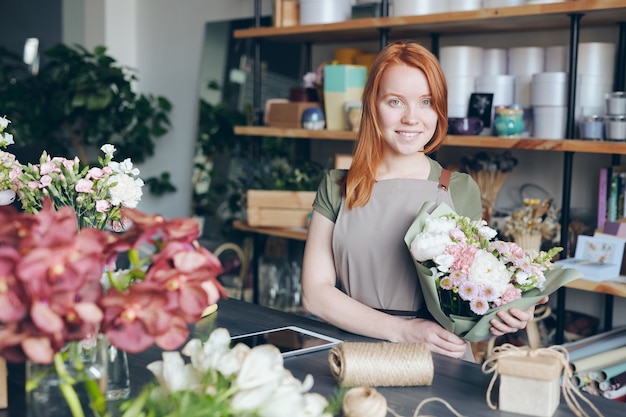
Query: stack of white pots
{"type": "Point", "coordinates": [615, 121]}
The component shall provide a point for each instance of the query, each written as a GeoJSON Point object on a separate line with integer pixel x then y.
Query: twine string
{"type": "Point", "coordinates": [367, 402]}
{"type": "Point", "coordinates": [381, 364]}
{"type": "Point", "coordinates": [570, 393]}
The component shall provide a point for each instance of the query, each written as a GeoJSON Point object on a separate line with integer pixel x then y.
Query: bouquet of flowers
{"type": "Point", "coordinates": [467, 276]}
{"type": "Point", "coordinates": [9, 166]}
{"type": "Point", "coordinates": [536, 218]}
{"type": "Point", "coordinates": [222, 381]}
{"type": "Point", "coordinates": [97, 194]}
{"type": "Point", "coordinates": [53, 300]}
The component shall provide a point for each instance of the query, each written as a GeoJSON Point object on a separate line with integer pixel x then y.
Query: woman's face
{"type": "Point", "coordinates": [407, 116]}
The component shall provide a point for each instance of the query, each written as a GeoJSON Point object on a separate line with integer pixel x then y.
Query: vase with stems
{"type": "Point", "coordinates": [74, 384]}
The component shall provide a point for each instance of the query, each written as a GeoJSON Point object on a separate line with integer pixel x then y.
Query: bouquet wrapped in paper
{"type": "Point", "coordinates": [467, 275]}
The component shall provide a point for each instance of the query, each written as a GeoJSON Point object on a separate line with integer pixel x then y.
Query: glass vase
{"type": "Point", "coordinates": [118, 376]}
{"type": "Point", "coordinates": [74, 385]}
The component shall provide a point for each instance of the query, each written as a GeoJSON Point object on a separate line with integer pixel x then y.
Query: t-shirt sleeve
{"type": "Point", "coordinates": [328, 197]}
{"type": "Point", "coordinates": [466, 196]}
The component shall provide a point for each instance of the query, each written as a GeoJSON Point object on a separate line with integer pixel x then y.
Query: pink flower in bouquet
{"type": "Point", "coordinates": [472, 271]}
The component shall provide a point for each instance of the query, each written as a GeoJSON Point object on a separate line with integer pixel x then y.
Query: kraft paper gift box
{"type": "Point", "coordinates": [342, 83]}
{"type": "Point", "coordinates": [4, 401]}
{"type": "Point", "coordinates": [530, 385]}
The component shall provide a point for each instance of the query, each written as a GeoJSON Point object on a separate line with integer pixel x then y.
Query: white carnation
{"type": "Point", "coordinates": [126, 191]}
{"type": "Point", "coordinates": [444, 262]}
{"type": "Point", "coordinates": [108, 149]}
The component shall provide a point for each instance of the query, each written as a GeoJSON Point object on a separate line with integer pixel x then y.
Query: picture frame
{"type": "Point", "coordinates": [481, 106]}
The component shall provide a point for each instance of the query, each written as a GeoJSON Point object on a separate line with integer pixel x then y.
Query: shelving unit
{"type": "Point", "coordinates": [572, 15]}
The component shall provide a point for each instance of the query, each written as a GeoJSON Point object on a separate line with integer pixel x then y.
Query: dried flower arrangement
{"type": "Point", "coordinates": [537, 217]}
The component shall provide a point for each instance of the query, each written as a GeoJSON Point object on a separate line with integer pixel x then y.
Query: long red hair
{"type": "Point", "coordinates": [369, 144]}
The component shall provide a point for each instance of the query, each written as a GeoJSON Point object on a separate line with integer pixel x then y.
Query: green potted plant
{"type": "Point", "coordinates": [79, 100]}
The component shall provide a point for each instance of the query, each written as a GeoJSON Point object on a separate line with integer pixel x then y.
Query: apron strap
{"type": "Point", "coordinates": [444, 179]}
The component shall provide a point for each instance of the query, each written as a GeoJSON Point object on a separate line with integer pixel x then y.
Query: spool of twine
{"type": "Point", "coordinates": [383, 364]}
{"type": "Point", "coordinates": [367, 402]}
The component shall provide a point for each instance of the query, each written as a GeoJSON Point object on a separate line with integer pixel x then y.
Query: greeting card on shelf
{"type": "Point", "coordinates": [599, 257]}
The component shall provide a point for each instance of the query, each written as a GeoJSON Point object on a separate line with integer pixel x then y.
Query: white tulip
{"type": "Point", "coordinates": [173, 374]}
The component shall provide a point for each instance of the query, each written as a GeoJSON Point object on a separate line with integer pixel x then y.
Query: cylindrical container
{"type": "Point", "coordinates": [502, 86]}
{"type": "Point", "coordinates": [549, 122]}
{"type": "Point", "coordinates": [502, 3]}
{"type": "Point", "coordinates": [549, 89]}
{"type": "Point", "coordinates": [461, 60]}
{"type": "Point", "coordinates": [615, 128]}
{"type": "Point", "coordinates": [526, 60]}
{"type": "Point", "coordinates": [494, 61]}
{"type": "Point", "coordinates": [462, 5]}
{"type": "Point", "coordinates": [460, 88]}
{"type": "Point", "coordinates": [616, 103]}
{"type": "Point", "coordinates": [592, 127]}
{"type": "Point", "coordinates": [413, 7]}
{"type": "Point", "coordinates": [324, 11]}
{"type": "Point", "coordinates": [556, 59]}
{"type": "Point", "coordinates": [509, 123]}
{"type": "Point", "coordinates": [596, 58]}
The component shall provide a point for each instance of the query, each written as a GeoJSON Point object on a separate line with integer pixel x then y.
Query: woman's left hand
{"type": "Point", "coordinates": [513, 320]}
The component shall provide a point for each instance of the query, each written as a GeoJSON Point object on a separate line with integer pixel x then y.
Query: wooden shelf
{"type": "Point", "coordinates": [563, 145]}
{"type": "Point", "coordinates": [529, 17]}
{"type": "Point", "coordinates": [289, 233]}
{"type": "Point", "coordinates": [604, 287]}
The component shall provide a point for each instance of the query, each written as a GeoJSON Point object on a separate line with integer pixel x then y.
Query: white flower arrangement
{"type": "Point", "coordinates": [97, 194]}
{"type": "Point", "coordinates": [225, 381]}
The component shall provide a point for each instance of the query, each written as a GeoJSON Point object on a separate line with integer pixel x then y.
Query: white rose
{"type": "Point", "coordinates": [427, 246]}
{"type": "Point", "coordinates": [487, 269]}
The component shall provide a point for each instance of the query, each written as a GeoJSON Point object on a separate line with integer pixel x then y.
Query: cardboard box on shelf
{"type": "Point", "coordinates": [274, 208]}
{"type": "Point", "coordinates": [342, 83]}
{"type": "Point", "coordinates": [288, 115]}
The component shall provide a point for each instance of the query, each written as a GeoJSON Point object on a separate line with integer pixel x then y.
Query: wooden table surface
{"type": "Point", "coordinates": [460, 383]}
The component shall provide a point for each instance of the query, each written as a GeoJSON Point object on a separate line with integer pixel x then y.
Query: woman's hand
{"type": "Point", "coordinates": [513, 320]}
{"type": "Point", "coordinates": [436, 338]}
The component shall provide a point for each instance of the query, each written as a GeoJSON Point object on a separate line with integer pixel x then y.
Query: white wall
{"type": "Point", "coordinates": [163, 40]}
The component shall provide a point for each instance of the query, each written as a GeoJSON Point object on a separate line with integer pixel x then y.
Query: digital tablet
{"type": "Point", "coordinates": [290, 340]}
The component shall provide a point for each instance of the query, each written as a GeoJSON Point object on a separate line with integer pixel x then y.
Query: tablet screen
{"type": "Point", "coordinates": [291, 340]}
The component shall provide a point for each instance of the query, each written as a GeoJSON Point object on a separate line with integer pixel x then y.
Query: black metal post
{"type": "Point", "coordinates": [568, 164]}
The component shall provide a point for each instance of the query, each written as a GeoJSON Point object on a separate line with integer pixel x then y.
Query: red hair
{"type": "Point", "coordinates": [369, 143]}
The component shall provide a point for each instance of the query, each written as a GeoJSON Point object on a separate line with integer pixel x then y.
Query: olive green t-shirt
{"type": "Point", "coordinates": [463, 189]}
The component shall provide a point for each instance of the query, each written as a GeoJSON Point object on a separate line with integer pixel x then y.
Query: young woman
{"type": "Point", "coordinates": [357, 272]}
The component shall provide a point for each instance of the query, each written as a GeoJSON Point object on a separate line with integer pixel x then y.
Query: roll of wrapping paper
{"type": "Point", "coordinates": [618, 394]}
{"type": "Point", "coordinates": [599, 343]}
{"type": "Point", "coordinates": [382, 364]}
{"type": "Point", "coordinates": [614, 383]}
{"type": "Point", "coordinates": [609, 371]}
{"type": "Point", "coordinates": [599, 361]}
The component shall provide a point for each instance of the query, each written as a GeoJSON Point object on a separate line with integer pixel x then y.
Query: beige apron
{"type": "Point", "coordinates": [373, 263]}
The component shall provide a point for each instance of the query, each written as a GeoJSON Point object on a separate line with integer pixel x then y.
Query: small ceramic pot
{"type": "Point", "coordinates": [465, 125]}
{"type": "Point", "coordinates": [313, 118]}
{"type": "Point", "coordinates": [509, 123]}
